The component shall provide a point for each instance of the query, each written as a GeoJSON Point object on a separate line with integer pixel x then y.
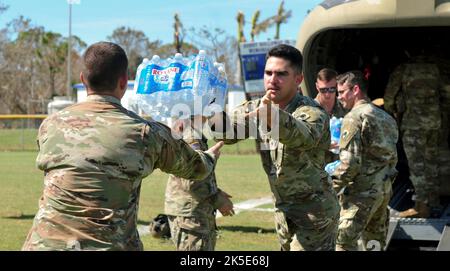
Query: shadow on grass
{"type": "Point", "coordinates": [229, 228]}
{"type": "Point", "coordinates": [18, 217]}
{"type": "Point", "coordinates": [246, 229]}
{"type": "Point", "coordinates": [143, 222]}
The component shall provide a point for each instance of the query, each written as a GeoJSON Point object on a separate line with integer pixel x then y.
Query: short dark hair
{"type": "Point", "coordinates": [326, 75]}
{"type": "Point", "coordinates": [353, 78]}
{"type": "Point", "coordinates": [103, 64]}
{"type": "Point", "coordinates": [287, 52]}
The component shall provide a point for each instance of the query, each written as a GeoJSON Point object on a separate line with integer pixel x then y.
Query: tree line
{"type": "Point", "coordinates": [33, 61]}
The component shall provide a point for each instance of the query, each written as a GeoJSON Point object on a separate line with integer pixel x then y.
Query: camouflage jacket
{"type": "Point", "coordinates": [294, 163]}
{"type": "Point", "coordinates": [189, 198]}
{"type": "Point", "coordinates": [368, 150]}
{"type": "Point", "coordinates": [412, 95]}
{"type": "Point", "coordinates": [95, 155]}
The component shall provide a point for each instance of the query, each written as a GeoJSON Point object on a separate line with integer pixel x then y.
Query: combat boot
{"type": "Point", "coordinates": [421, 210]}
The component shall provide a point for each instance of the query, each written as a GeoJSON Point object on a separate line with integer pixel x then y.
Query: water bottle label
{"type": "Point", "coordinates": [155, 78]}
{"type": "Point", "coordinates": [335, 129]}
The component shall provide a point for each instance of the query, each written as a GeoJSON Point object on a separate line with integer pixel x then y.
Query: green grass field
{"type": "Point", "coordinates": [18, 139]}
{"type": "Point", "coordinates": [240, 175]}
{"type": "Point", "coordinates": [25, 140]}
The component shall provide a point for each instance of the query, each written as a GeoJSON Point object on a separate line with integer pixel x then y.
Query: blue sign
{"type": "Point", "coordinates": [253, 57]}
{"type": "Point", "coordinates": [254, 66]}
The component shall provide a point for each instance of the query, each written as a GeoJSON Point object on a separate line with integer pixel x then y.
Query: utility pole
{"type": "Point", "coordinates": [69, 49]}
{"type": "Point", "coordinates": [241, 38]}
{"type": "Point", "coordinates": [177, 39]}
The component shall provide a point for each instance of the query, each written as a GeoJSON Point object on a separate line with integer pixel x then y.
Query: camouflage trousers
{"type": "Point", "coordinates": [193, 233]}
{"type": "Point", "coordinates": [295, 238]}
{"type": "Point", "coordinates": [421, 149]}
{"type": "Point", "coordinates": [366, 218]}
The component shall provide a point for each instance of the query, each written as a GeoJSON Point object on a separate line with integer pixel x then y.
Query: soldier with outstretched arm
{"type": "Point", "coordinates": [95, 155]}
{"type": "Point", "coordinates": [297, 130]}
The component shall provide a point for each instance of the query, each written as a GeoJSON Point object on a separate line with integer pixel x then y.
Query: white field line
{"type": "Point", "coordinates": [248, 205]}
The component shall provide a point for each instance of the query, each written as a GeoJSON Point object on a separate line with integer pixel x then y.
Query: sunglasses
{"type": "Point", "coordinates": [329, 90]}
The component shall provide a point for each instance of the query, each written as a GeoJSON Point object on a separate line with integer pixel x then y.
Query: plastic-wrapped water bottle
{"type": "Point", "coordinates": [201, 73]}
{"type": "Point", "coordinates": [141, 67]}
{"type": "Point", "coordinates": [220, 86]}
{"type": "Point", "coordinates": [335, 130]}
{"type": "Point", "coordinates": [134, 101]}
{"type": "Point", "coordinates": [147, 100]}
{"type": "Point", "coordinates": [331, 167]}
{"type": "Point", "coordinates": [178, 58]}
{"type": "Point", "coordinates": [175, 87]}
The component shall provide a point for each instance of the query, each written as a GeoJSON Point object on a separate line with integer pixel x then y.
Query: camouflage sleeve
{"type": "Point", "coordinates": [236, 127]}
{"type": "Point", "coordinates": [201, 190]}
{"type": "Point", "coordinates": [349, 155]}
{"type": "Point", "coordinates": [175, 156]}
{"type": "Point", "coordinates": [204, 189]}
{"type": "Point", "coordinates": [392, 89]}
{"type": "Point", "coordinates": [42, 136]}
{"type": "Point", "coordinates": [304, 128]}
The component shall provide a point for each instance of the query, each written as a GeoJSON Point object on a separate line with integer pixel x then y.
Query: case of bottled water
{"type": "Point", "coordinates": [179, 87]}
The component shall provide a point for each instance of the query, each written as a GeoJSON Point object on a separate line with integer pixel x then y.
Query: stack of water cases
{"type": "Point", "coordinates": [180, 87]}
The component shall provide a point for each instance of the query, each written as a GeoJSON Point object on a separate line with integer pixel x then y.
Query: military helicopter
{"type": "Point", "coordinates": [375, 36]}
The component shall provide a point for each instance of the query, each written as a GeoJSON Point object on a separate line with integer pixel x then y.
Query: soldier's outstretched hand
{"type": "Point", "coordinates": [215, 150]}
{"type": "Point", "coordinates": [226, 207]}
{"type": "Point", "coordinates": [267, 98]}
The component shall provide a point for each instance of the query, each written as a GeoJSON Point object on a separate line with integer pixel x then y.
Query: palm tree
{"type": "Point", "coordinates": [281, 18]}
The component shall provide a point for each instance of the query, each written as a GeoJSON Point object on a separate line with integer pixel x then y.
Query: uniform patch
{"type": "Point", "coordinates": [304, 116]}
{"type": "Point", "coordinates": [349, 130]}
{"type": "Point", "coordinates": [345, 134]}
{"type": "Point", "coordinates": [196, 146]}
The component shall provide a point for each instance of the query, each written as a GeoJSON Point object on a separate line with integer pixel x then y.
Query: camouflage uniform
{"type": "Point", "coordinates": [307, 208]}
{"type": "Point", "coordinates": [368, 157]}
{"type": "Point", "coordinates": [191, 206]}
{"type": "Point", "coordinates": [412, 95]}
{"type": "Point", "coordinates": [95, 155]}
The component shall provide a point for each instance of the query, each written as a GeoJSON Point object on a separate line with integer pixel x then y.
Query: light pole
{"type": "Point", "coordinates": [69, 49]}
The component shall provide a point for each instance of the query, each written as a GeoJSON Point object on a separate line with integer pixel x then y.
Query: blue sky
{"type": "Point", "coordinates": [94, 20]}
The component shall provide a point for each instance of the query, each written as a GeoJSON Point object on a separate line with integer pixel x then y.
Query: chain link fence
{"type": "Point", "coordinates": [18, 132]}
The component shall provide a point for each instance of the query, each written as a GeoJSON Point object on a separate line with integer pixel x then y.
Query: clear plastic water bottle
{"type": "Point", "coordinates": [201, 73]}
{"type": "Point", "coordinates": [179, 63]}
{"type": "Point", "coordinates": [335, 130]}
{"type": "Point", "coordinates": [221, 88]}
{"type": "Point", "coordinates": [141, 67]}
{"type": "Point", "coordinates": [178, 58]}
{"type": "Point", "coordinates": [331, 167]}
{"type": "Point", "coordinates": [152, 100]}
